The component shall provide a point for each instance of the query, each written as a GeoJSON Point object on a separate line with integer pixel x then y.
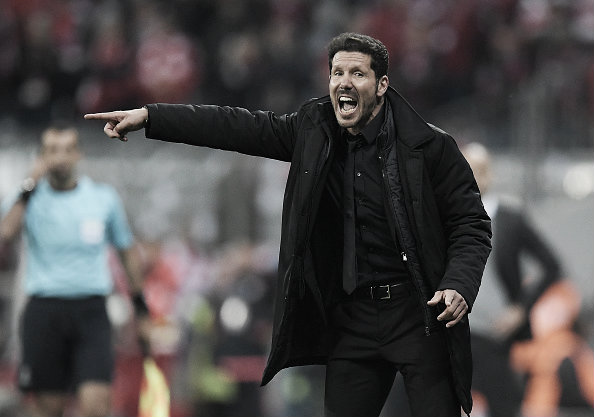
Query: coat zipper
{"type": "Point", "coordinates": [403, 254]}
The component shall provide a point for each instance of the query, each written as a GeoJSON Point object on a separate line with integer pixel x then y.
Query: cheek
{"type": "Point", "coordinates": [367, 103]}
{"type": "Point", "coordinates": [332, 99]}
{"type": "Point", "coordinates": [332, 87]}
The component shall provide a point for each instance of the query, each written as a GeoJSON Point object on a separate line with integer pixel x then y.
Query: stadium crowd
{"type": "Point", "coordinates": [71, 57]}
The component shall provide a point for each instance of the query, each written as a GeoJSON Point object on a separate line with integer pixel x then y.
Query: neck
{"type": "Point", "coordinates": [376, 110]}
{"type": "Point", "coordinates": [63, 184]}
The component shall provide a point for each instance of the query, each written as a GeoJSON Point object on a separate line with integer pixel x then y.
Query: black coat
{"type": "Point", "coordinates": [430, 190]}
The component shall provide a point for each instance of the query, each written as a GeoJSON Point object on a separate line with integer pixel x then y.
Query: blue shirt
{"type": "Point", "coordinates": [67, 235]}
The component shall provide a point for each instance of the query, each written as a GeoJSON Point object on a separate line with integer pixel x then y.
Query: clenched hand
{"type": "Point", "coordinates": [456, 306]}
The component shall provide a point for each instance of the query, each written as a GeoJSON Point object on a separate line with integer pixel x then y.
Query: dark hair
{"type": "Point", "coordinates": [356, 42]}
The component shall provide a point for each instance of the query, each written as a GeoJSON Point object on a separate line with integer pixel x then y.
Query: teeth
{"type": "Point", "coordinates": [347, 104]}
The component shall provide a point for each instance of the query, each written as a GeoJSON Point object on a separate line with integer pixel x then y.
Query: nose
{"type": "Point", "coordinates": [345, 82]}
{"type": "Point", "coordinates": [60, 157]}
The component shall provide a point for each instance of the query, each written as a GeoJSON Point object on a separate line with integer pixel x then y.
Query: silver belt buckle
{"type": "Point", "coordinates": [388, 293]}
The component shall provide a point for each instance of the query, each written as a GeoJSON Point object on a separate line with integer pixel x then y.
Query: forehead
{"type": "Point", "coordinates": [350, 59]}
{"type": "Point", "coordinates": [53, 137]}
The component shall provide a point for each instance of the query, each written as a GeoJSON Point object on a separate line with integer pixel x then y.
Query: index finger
{"type": "Point", "coordinates": [101, 116]}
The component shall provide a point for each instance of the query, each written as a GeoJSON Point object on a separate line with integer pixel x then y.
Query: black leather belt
{"type": "Point", "coordinates": [383, 292]}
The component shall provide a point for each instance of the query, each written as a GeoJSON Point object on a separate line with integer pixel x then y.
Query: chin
{"type": "Point", "coordinates": [61, 175]}
{"type": "Point", "coordinates": [346, 123]}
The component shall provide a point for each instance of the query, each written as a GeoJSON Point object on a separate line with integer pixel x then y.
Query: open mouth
{"type": "Point", "coordinates": [347, 105]}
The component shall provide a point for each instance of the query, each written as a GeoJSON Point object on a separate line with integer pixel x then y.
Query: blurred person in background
{"type": "Point", "coordinates": [68, 222]}
{"type": "Point", "coordinates": [508, 293]}
{"type": "Point", "coordinates": [231, 327]}
{"type": "Point", "coordinates": [384, 236]}
{"type": "Point", "coordinates": [557, 362]}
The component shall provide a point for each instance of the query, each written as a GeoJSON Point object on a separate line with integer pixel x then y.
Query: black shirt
{"type": "Point", "coordinates": [378, 258]}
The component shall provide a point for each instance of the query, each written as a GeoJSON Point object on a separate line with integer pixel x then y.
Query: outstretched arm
{"type": "Point", "coordinates": [258, 133]}
{"type": "Point", "coordinates": [120, 123]}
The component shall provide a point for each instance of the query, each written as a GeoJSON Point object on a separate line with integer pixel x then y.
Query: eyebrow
{"type": "Point", "coordinates": [356, 67]}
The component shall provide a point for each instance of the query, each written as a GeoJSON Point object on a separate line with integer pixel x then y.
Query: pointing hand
{"type": "Point", "coordinates": [119, 123]}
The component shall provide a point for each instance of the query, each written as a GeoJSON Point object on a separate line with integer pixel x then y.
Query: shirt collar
{"type": "Point", "coordinates": [372, 129]}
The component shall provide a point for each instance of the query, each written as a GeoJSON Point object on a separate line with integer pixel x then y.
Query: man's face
{"type": "Point", "coordinates": [60, 152]}
{"type": "Point", "coordinates": [355, 93]}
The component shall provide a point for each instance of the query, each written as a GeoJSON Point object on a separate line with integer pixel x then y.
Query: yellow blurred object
{"type": "Point", "coordinates": [154, 392]}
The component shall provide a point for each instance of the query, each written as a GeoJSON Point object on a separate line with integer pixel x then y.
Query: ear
{"type": "Point", "coordinates": [382, 86]}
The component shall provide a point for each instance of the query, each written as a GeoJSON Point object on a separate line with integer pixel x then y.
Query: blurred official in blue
{"type": "Point", "coordinates": [68, 222]}
{"type": "Point", "coordinates": [501, 317]}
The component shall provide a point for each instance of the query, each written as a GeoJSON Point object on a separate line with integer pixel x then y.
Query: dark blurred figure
{"type": "Point", "coordinates": [500, 316]}
{"type": "Point", "coordinates": [229, 339]}
{"type": "Point", "coordinates": [68, 222]}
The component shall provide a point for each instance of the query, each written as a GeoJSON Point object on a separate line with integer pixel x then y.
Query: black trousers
{"type": "Point", "coordinates": [65, 342]}
{"type": "Point", "coordinates": [375, 339]}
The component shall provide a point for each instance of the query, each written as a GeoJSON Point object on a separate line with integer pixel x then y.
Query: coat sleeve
{"type": "Point", "coordinates": [467, 226]}
{"type": "Point", "coordinates": [257, 133]}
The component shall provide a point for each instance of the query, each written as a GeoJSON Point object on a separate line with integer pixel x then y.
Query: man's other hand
{"type": "Point", "coordinates": [456, 306]}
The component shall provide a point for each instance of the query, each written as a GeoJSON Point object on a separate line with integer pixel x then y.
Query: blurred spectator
{"type": "Point", "coordinates": [109, 77]}
{"type": "Point", "coordinates": [557, 361]}
{"type": "Point", "coordinates": [231, 327]}
{"type": "Point", "coordinates": [507, 294]}
{"type": "Point", "coordinates": [166, 60]}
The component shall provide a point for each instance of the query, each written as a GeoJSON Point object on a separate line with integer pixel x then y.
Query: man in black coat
{"type": "Point", "coordinates": [384, 237]}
